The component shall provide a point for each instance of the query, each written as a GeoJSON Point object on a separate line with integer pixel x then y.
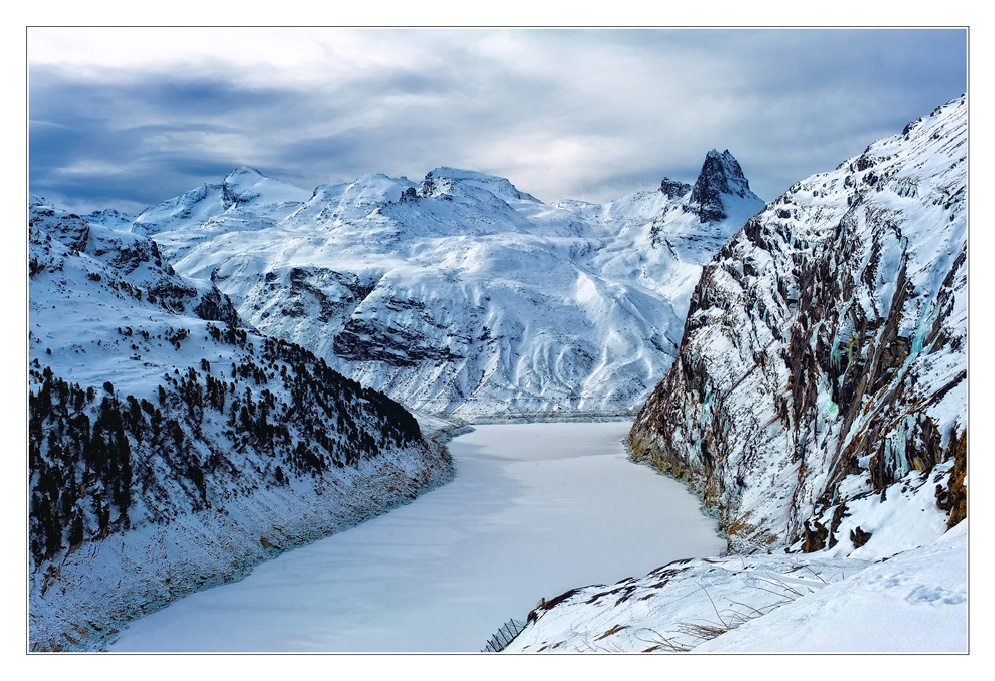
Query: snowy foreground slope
{"type": "Point", "coordinates": [914, 602]}
{"type": "Point", "coordinates": [462, 295]}
{"type": "Point", "coordinates": [818, 408]}
{"type": "Point", "coordinates": [171, 447]}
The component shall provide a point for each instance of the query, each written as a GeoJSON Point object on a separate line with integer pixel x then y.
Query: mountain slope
{"type": "Point", "coordinates": [172, 448]}
{"type": "Point", "coordinates": [463, 295]}
{"type": "Point", "coordinates": [824, 355]}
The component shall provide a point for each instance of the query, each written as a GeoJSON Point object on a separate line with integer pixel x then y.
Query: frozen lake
{"type": "Point", "coordinates": [535, 510]}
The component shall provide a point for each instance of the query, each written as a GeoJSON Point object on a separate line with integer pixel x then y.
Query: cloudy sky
{"type": "Point", "coordinates": [125, 118]}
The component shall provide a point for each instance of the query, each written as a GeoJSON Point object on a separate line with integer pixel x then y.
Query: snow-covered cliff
{"type": "Point", "coordinates": [824, 357]}
{"type": "Point", "coordinates": [818, 406]}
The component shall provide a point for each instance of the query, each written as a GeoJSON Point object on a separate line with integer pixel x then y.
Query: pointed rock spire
{"type": "Point", "coordinates": [720, 176]}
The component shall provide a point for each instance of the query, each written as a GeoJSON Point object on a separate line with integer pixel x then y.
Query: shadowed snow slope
{"type": "Point", "coordinates": [463, 295]}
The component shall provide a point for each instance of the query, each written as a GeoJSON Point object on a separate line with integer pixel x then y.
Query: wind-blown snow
{"type": "Point", "coordinates": [915, 601]}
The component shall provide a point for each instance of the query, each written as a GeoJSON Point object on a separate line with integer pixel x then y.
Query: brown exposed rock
{"type": "Point", "coordinates": [816, 535]}
{"type": "Point", "coordinates": [954, 497]}
{"type": "Point", "coordinates": [267, 544]}
{"type": "Point", "coordinates": [859, 537]}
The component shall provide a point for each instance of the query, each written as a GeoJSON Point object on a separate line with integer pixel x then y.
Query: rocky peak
{"type": "Point", "coordinates": [246, 185]}
{"type": "Point", "coordinates": [720, 175]}
{"type": "Point", "coordinates": [674, 189]}
{"type": "Point", "coordinates": [432, 186]}
{"type": "Point", "coordinates": [237, 186]}
{"type": "Point", "coordinates": [828, 337]}
{"type": "Point", "coordinates": [243, 172]}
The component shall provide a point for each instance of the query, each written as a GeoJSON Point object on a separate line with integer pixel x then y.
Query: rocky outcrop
{"type": "Point", "coordinates": [673, 189]}
{"type": "Point", "coordinates": [368, 339]}
{"type": "Point", "coordinates": [132, 265]}
{"type": "Point", "coordinates": [720, 176]}
{"type": "Point", "coordinates": [824, 355]}
{"type": "Point", "coordinates": [217, 307]}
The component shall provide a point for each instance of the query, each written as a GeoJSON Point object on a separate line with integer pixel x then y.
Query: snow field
{"type": "Point", "coordinates": [583, 305]}
{"type": "Point", "coordinates": [913, 602]}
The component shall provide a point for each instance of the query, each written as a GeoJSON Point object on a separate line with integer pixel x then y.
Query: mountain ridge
{"type": "Point", "coordinates": [837, 317]}
{"type": "Point", "coordinates": [386, 279]}
{"type": "Point", "coordinates": [818, 407]}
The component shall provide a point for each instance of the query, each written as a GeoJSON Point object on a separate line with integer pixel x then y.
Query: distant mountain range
{"type": "Point", "coordinates": [462, 295]}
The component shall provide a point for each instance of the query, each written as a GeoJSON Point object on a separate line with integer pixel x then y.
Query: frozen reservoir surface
{"type": "Point", "coordinates": [535, 510]}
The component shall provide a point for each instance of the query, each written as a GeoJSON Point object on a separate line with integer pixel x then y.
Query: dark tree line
{"type": "Point", "coordinates": [81, 471]}
{"type": "Point", "coordinates": [94, 455]}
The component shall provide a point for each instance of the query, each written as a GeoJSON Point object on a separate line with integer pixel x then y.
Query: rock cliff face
{"type": "Point", "coordinates": [674, 189]}
{"type": "Point", "coordinates": [821, 378]}
{"type": "Point", "coordinates": [720, 177]}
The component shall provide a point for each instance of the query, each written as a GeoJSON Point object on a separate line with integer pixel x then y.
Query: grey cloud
{"type": "Point", "coordinates": [785, 103]}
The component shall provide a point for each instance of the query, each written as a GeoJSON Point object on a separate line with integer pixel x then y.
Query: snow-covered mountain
{"type": "Point", "coordinates": [818, 406]}
{"type": "Point", "coordinates": [243, 200]}
{"type": "Point", "coordinates": [824, 358]}
{"type": "Point", "coordinates": [171, 447]}
{"type": "Point", "coordinates": [463, 295]}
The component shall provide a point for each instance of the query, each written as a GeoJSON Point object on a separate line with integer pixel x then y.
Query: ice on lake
{"type": "Point", "coordinates": [535, 510]}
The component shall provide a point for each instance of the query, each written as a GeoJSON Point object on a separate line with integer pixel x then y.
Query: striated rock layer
{"type": "Point", "coordinates": [824, 357]}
